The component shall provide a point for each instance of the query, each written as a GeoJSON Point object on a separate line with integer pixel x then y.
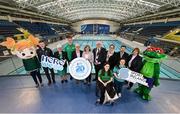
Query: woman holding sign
{"type": "Point", "coordinates": [105, 84]}
{"type": "Point", "coordinates": [61, 55]}
{"type": "Point", "coordinates": [134, 63]}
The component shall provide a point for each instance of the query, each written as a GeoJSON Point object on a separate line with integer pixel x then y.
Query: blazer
{"type": "Point", "coordinates": [124, 56]}
{"type": "Point", "coordinates": [112, 60]}
{"type": "Point", "coordinates": [136, 63]}
{"type": "Point", "coordinates": [47, 52]}
{"type": "Point", "coordinates": [74, 54]}
{"type": "Point", "coordinates": [102, 55]}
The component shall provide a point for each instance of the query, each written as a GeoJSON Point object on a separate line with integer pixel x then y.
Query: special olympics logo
{"type": "Point", "coordinates": [80, 68]}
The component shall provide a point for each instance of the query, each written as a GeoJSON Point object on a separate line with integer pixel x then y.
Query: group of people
{"type": "Point", "coordinates": [107, 64]}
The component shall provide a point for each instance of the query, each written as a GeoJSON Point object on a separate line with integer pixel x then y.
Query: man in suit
{"type": "Point", "coordinates": [122, 54]}
{"type": "Point", "coordinates": [99, 57]}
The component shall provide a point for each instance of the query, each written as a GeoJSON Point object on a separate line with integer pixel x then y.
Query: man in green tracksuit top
{"type": "Point", "coordinates": [69, 48]}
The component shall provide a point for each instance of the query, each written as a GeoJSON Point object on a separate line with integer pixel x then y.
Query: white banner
{"type": "Point", "coordinates": [80, 68]}
{"type": "Point", "coordinates": [131, 76]}
{"type": "Point", "coordinates": [52, 62]}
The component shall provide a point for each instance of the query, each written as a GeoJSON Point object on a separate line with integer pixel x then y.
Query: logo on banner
{"type": "Point", "coordinates": [131, 76]}
{"type": "Point", "coordinates": [80, 68]}
{"type": "Point", "coordinates": [52, 62]}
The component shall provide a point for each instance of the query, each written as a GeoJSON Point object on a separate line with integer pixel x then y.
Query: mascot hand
{"type": "Point", "coordinates": [156, 82]}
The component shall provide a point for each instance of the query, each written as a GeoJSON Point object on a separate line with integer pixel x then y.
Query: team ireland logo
{"type": "Point", "coordinates": [80, 68]}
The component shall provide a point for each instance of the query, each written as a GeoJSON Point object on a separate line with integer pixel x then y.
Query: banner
{"type": "Point", "coordinates": [80, 68]}
{"type": "Point", "coordinates": [51, 62]}
{"type": "Point", "coordinates": [131, 76]}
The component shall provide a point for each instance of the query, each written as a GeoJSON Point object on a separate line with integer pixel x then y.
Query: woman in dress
{"type": "Point", "coordinates": [61, 55]}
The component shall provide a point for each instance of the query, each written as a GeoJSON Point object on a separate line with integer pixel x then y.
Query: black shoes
{"type": "Point", "coordinates": [62, 81]}
{"type": "Point", "coordinates": [49, 83]}
{"type": "Point", "coordinates": [37, 85]}
{"type": "Point", "coordinates": [54, 81]}
{"type": "Point", "coordinates": [66, 81]}
{"type": "Point", "coordinates": [128, 87]}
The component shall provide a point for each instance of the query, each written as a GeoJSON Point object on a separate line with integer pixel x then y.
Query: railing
{"type": "Point", "coordinates": [10, 65]}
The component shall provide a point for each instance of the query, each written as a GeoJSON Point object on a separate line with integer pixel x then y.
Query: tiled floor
{"type": "Point", "coordinates": [18, 95]}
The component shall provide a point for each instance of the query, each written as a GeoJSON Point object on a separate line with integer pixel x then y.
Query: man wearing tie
{"type": "Point", "coordinates": [99, 57]}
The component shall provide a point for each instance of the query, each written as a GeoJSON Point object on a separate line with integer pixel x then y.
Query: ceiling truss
{"type": "Point", "coordinates": [74, 10]}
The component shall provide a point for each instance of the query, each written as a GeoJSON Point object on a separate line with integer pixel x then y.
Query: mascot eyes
{"type": "Point", "coordinates": [23, 54]}
{"type": "Point", "coordinates": [158, 51]}
{"type": "Point", "coordinates": [31, 52]}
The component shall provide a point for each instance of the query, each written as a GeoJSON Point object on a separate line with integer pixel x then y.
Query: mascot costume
{"type": "Point", "coordinates": [150, 70]}
{"type": "Point", "coordinates": [26, 50]}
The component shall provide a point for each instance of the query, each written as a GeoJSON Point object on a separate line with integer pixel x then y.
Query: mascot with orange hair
{"type": "Point", "coordinates": [26, 50]}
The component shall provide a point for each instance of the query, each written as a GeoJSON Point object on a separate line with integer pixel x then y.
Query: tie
{"type": "Point", "coordinates": [97, 53]}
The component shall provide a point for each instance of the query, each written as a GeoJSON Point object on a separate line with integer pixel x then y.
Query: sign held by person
{"type": "Point", "coordinates": [131, 76]}
{"type": "Point", "coordinates": [52, 62]}
{"type": "Point", "coordinates": [80, 68]}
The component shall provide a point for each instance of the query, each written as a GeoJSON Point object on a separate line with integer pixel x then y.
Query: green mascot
{"type": "Point", "coordinates": [152, 57]}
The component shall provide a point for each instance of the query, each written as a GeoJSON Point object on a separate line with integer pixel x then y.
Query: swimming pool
{"type": "Point", "coordinates": [166, 71]}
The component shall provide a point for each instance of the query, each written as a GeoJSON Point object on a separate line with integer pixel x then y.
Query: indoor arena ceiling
{"type": "Point", "coordinates": [117, 10]}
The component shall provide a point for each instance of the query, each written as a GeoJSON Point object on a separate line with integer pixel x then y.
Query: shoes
{"type": "Point", "coordinates": [98, 102]}
{"type": "Point", "coordinates": [66, 81]}
{"type": "Point", "coordinates": [85, 82]}
{"type": "Point", "coordinates": [112, 103]}
{"type": "Point", "coordinates": [89, 83]}
{"type": "Point", "coordinates": [54, 81]}
{"type": "Point", "coordinates": [77, 81]}
{"type": "Point", "coordinates": [41, 84]}
{"type": "Point", "coordinates": [119, 94]}
{"type": "Point", "coordinates": [49, 83]}
{"type": "Point", "coordinates": [128, 87]}
{"type": "Point", "coordinates": [62, 81]}
{"type": "Point", "coordinates": [37, 85]}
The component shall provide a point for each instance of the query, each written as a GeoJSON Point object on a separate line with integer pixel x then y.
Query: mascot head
{"type": "Point", "coordinates": [154, 53]}
{"type": "Point", "coordinates": [24, 49]}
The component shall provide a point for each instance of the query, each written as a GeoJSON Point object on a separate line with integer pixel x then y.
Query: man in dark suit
{"type": "Point", "coordinates": [99, 58]}
{"type": "Point", "coordinates": [43, 50]}
{"type": "Point", "coordinates": [122, 54]}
